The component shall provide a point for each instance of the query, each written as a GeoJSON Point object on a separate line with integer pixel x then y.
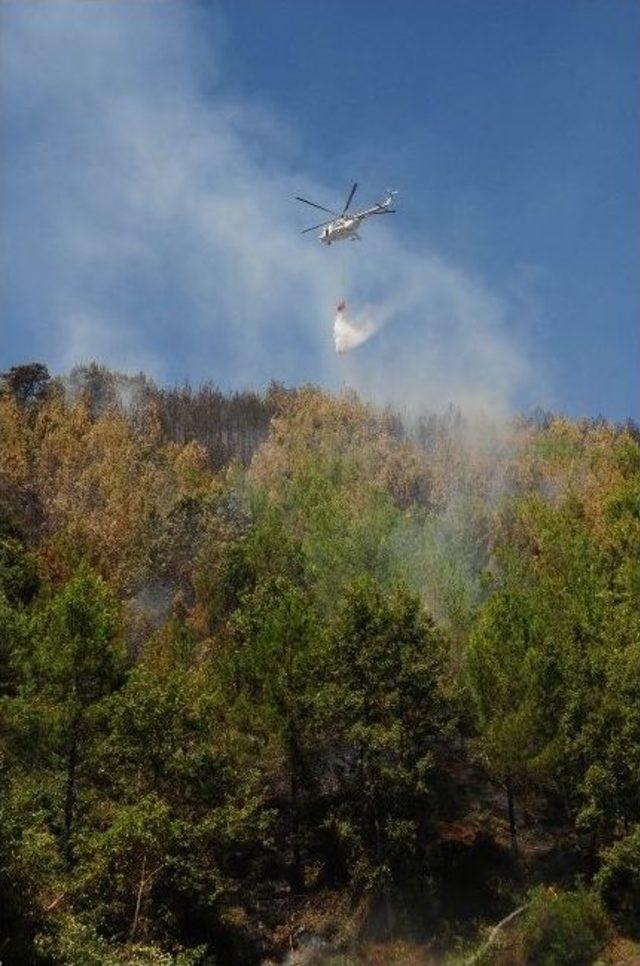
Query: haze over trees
{"type": "Point", "coordinates": [280, 664]}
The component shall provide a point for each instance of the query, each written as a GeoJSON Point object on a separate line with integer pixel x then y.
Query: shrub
{"type": "Point", "coordinates": [618, 880]}
{"type": "Point", "coordinates": [74, 941]}
{"type": "Point", "coordinates": [563, 928]}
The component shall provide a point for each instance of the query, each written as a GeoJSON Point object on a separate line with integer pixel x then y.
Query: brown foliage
{"type": "Point", "coordinates": [345, 439]}
{"type": "Point", "coordinates": [101, 485]}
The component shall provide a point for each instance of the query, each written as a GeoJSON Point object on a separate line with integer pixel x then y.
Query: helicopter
{"type": "Point", "coordinates": [343, 225]}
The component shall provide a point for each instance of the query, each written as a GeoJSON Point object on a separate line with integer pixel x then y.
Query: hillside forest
{"type": "Point", "coordinates": [287, 678]}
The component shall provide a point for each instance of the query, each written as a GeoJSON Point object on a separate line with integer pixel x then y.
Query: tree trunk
{"type": "Point", "coordinates": [512, 815]}
{"type": "Point", "coordinates": [294, 813]}
{"type": "Point", "coordinates": [70, 792]}
{"type": "Point", "coordinates": [379, 859]}
{"type": "Point", "coordinates": [141, 885]}
{"type": "Point", "coordinates": [295, 833]}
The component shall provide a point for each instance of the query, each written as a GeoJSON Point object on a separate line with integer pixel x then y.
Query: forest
{"type": "Point", "coordinates": [289, 678]}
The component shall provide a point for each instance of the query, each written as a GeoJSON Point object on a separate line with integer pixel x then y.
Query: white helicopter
{"type": "Point", "coordinates": [342, 225]}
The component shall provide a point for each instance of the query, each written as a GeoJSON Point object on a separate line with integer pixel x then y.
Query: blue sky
{"type": "Point", "coordinates": [152, 150]}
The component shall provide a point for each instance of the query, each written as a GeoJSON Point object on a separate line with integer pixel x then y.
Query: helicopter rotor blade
{"type": "Point", "coordinates": [314, 205]}
{"type": "Point", "coordinates": [313, 227]}
{"type": "Point", "coordinates": [350, 198]}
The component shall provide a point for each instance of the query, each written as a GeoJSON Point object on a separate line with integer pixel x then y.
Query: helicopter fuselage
{"type": "Point", "coordinates": [340, 228]}
{"type": "Point", "coordinates": [346, 226]}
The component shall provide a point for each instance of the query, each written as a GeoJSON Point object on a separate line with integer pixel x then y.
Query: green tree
{"type": "Point", "coordinates": [609, 744]}
{"type": "Point", "coordinates": [19, 579]}
{"type": "Point", "coordinates": [181, 803]}
{"type": "Point", "coordinates": [274, 667]}
{"type": "Point", "coordinates": [231, 565]}
{"type": "Point", "coordinates": [71, 660]}
{"type": "Point", "coordinates": [388, 722]}
{"type": "Point", "coordinates": [618, 880]}
{"type": "Point", "coordinates": [26, 383]}
{"type": "Point", "coordinates": [514, 683]}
